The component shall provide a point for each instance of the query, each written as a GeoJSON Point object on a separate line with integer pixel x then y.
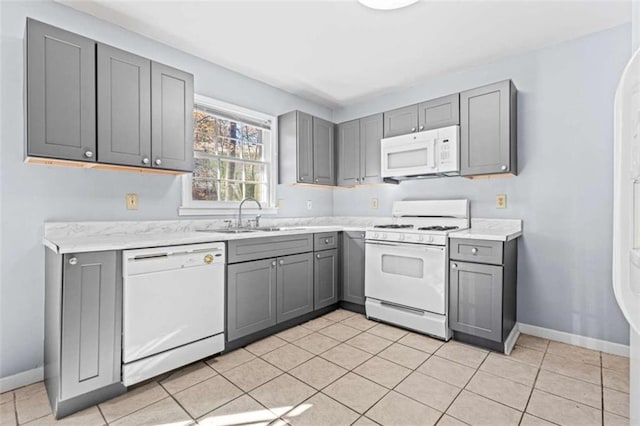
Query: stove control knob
{"type": "Point", "coordinates": [384, 236]}
{"type": "Point", "coordinates": [430, 238]}
{"type": "Point", "coordinates": [401, 237]}
{"type": "Point", "coordinates": [420, 238]}
{"type": "Point", "coordinates": [375, 235]}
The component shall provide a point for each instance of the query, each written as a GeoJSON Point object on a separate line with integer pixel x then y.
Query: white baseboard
{"type": "Point", "coordinates": [21, 379]}
{"type": "Point", "coordinates": [512, 338]}
{"type": "Point", "coordinates": [575, 339]}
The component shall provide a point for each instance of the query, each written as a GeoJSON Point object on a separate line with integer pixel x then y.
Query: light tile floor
{"type": "Point", "coordinates": [342, 369]}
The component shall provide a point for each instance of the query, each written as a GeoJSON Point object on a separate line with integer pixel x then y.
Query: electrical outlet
{"type": "Point", "coordinates": [501, 201]}
{"type": "Point", "coordinates": [132, 201]}
{"type": "Point", "coordinates": [309, 205]}
{"type": "Point", "coordinates": [280, 203]}
{"type": "Point", "coordinates": [374, 203]}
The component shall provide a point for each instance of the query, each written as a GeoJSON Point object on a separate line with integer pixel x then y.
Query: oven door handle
{"type": "Point", "coordinates": [408, 245]}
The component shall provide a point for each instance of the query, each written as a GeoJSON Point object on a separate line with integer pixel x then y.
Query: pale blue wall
{"type": "Point", "coordinates": [564, 190]}
{"type": "Point", "coordinates": [33, 194]}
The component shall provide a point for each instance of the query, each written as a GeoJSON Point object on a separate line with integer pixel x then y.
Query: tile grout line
{"type": "Point", "coordinates": [601, 390]}
{"type": "Point", "coordinates": [463, 389]}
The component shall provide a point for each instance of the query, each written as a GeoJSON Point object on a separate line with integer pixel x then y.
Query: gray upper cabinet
{"type": "Point", "coordinates": [325, 278]}
{"type": "Point", "coordinates": [488, 130]}
{"type": "Point", "coordinates": [61, 94]}
{"type": "Point", "coordinates": [295, 286]}
{"type": "Point", "coordinates": [353, 267]}
{"type": "Point", "coordinates": [324, 169]}
{"type": "Point", "coordinates": [371, 132]}
{"type": "Point", "coordinates": [251, 297]}
{"type": "Point", "coordinates": [401, 121]}
{"type": "Point", "coordinates": [359, 151]}
{"type": "Point", "coordinates": [349, 153]}
{"type": "Point", "coordinates": [124, 107]}
{"type": "Point", "coordinates": [441, 112]}
{"type": "Point", "coordinates": [304, 138]}
{"type": "Point", "coordinates": [475, 300]}
{"type": "Point", "coordinates": [91, 322]}
{"type": "Point", "coordinates": [171, 118]}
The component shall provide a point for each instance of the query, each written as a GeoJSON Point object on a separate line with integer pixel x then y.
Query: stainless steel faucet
{"type": "Point", "coordinates": [240, 209]}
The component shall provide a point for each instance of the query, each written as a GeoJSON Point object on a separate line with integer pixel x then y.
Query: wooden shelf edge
{"type": "Point", "coordinates": [99, 166]}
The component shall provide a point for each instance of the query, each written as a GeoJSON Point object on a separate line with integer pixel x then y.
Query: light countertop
{"type": "Point", "coordinates": [491, 229]}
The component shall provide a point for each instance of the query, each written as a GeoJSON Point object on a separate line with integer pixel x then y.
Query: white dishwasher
{"type": "Point", "coordinates": [173, 308]}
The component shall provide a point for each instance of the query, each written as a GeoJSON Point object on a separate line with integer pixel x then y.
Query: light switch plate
{"type": "Point", "coordinates": [309, 205]}
{"type": "Point", "coordinates": [374, 203]}
{"type": "Point", "coordinates": [132, 201]}
{"type": "Point", "coordinates": [501, 201]}
{"type": "Point", "coordinates": [280, 203]}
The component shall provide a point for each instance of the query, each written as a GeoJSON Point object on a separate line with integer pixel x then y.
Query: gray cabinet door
{"type": "Point", "coordinates": [304, 145]}
{"type": "Point", "coordinates": [401, 121]}
{"type": "Point", "coordinates": [251, 297]}
{"type": "Point", "coordinates": [171, 118]}
{"type": "Point", "coordinates": [487, 130]}
{"type": "Point", "coordinates": [325, 278]}
{"type": "Point", "coordinates": [370, 160]}
{"type": "Point", "coordinates": [324, 169]}
{"type": "Point", "coordinates": [295, 286]}
{"type": "Point", "coordinates": [91, 322]}
{"type": "Point", "coordinates": [353, 267]}
{"type": "Point", "coordinates": [124, 108]}
{"type": "Point", "coordinates": [440, 112]}
{"type": "Point", "coordinates": [475, 299]}
{"type": "Point", "coordinates": [349, 153]}
{"type": "Point", "coordinates": [61, 94]}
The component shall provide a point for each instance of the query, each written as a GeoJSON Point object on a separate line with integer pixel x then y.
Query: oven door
{"type": "Point", "coordinates": [409, 155]}
{"type": "Point", "coordinates": [411, 275]}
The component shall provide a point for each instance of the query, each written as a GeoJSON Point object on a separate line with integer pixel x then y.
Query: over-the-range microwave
{"type": "Point", "coordinates": [422, 154]}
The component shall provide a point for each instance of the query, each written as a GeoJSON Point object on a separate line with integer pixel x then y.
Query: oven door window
{"type": "Point", "coordinates": [412, 267]}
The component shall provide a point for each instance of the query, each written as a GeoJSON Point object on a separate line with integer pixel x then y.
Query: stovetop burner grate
{"type": "Point", "coordinates": [438, 228]}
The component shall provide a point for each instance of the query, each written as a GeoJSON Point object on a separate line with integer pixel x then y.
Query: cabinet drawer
{"type": "Point", "coordinates": [265, 247]}
{"type": "Point", "coordinates": [325, 241]}
{"type": "Point", "coordinates": [480, 251]}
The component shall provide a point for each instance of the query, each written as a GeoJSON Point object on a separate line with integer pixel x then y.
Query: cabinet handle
{"type": "Point", "coordinates": [326, 241]}
{"type": "Point", "coordinates": [301, 177]}
{"type": "Point", "coordinates": [454, 265]}
{"type": "Point", "coordinates": [73, 261]}
{"type": "Point", "coordinates": [317, 180]}
{"type": "Point", "coordinates": [357, 180]}
{"type": "Point", "coordinates": [88, 154]}
{"type": "Point", "coordinates": [281, 262]}
{"type": "Point", "coordinates": [158, 162]}
{"type": "Point", "coordinates": [317, 256]}
{"type": "Point", "coordinates": [362, 180]}
{"type": "Point", "coordinates": [474, 250]}
{"type": "Point", "coordinates": [421, 127]}
{"type": "Point", "coordinates": [362, 235]}
{"type": "Point", "coordinates": [413, 129]}
{"type": "Point", "coordinates": [145, 160]}
{"type": "Point", "coordinates": [273, 263]}
{"type": "Point", "coordinates": [503, 167]}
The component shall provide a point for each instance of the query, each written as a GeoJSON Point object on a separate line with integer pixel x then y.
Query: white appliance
{"type": "Point", "coordinates": [626, 217]}
{"type": "Point", "coordinates": [173, 308]}
{"type": "Point", "coordinates": [406, 271]}
{"type": "Point", "coordinates": [422, 154]}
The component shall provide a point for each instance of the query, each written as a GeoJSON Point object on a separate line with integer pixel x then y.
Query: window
{"type": "Point", "coordinates": [234, 158]}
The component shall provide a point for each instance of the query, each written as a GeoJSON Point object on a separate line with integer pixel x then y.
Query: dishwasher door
{"type": "Point", "coordinates": [172, 296]}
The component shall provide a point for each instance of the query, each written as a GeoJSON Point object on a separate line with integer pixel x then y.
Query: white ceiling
{"type": "Point", "coordinates": [339, 52]}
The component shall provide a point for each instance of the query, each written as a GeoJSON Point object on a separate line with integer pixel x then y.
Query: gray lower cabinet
{"type": "Point", "coordinates": [352, 267]}
{"type": "Point", "coordinates": [251, 297]}
{"type": "Point", "coordinates": [482, 290]}
{"type": "Point", "coordinates": [475, 294]}
{"type": "Point", "coordinates": [61, 93]}
{"type": "Point", "coordinates": [294, 286]}
{"type": "Point", "coordinates": [440, 112]}
{"type": "Point", "coordinates": [324, 169]}
{"type": "Point", "coordinates": [124, 107]}
{"type": "Point", "coordinates": [83, 311]}
{"type": "Point", "coordinates": [325, 278]}
{"type": "Point", "coordinates": [171, 118]}
{"type": "Point", "coordinates": [401, 121]}
{"type": "Point", "coordinates": [488, 133]}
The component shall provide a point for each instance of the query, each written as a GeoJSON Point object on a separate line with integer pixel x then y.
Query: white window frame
{"type": "Point", "coordinates": [190, 207]}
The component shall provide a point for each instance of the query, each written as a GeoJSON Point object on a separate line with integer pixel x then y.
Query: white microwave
{"type": "Point", "coordinates": [432, 152]}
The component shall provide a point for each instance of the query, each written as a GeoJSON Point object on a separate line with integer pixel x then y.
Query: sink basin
{"type": "Point", "coordinates": [227, 230]}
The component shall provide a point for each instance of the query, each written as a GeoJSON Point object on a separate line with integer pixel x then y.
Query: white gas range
{"type": "Point", "coordinates": [406, 265]}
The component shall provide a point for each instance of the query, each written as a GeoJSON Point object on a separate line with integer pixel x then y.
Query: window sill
{"type": "Point", "coordinates": [228, 211]}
